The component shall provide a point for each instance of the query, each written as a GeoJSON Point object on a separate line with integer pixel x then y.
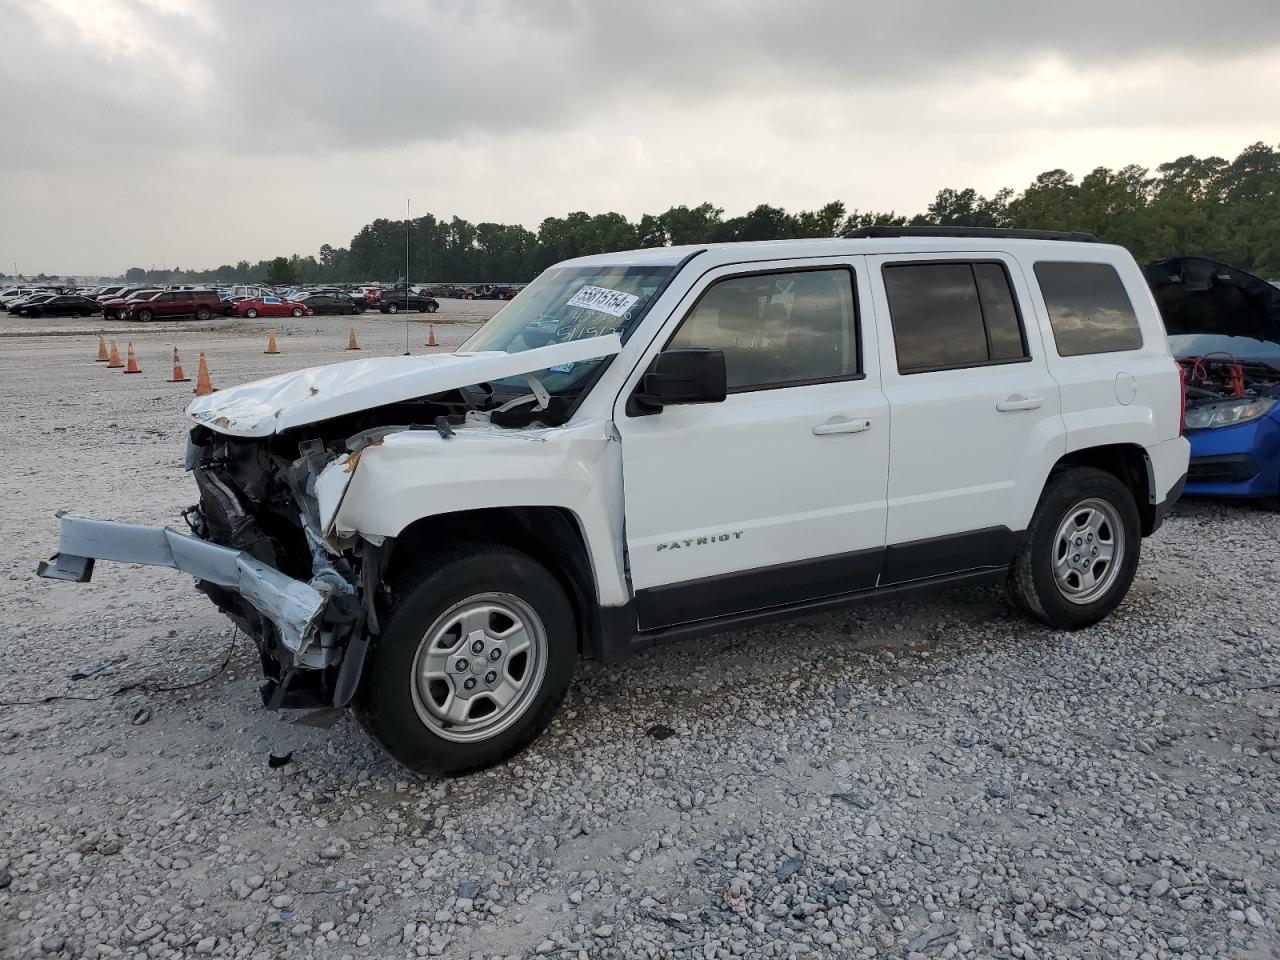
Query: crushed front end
{"type": "Point", "coordinates": [273, 461]}
{"type": "Point", "coordinates": [256, 548]}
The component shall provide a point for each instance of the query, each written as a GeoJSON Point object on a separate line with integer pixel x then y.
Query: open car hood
{"type": "Point", "coordinates": [290, 400]}
{"type": "Point", "coordinates": [1199, 296]}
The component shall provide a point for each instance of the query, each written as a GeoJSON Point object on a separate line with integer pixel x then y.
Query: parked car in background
{"type": "Point", "coordinates": [271, 307]}
{"type": "Point", "coordinates": [167, 304]}
{"type": "Point", "coordinates": [393, 301]}
{"type": "Point", "coordinates": [109, 293]}
{"type": "Point", "coordinates": [18, 303]}
{"type": "Point", "coordinates": [245, 291]}
{"type": "Point", "coordinates": [12, 295]}
{"type": "Point", "coordinates": [114, 308]}
{"type": "Point", "coordinates": [1224, 328]}
{"type": "Point", "coordinates": [59, 305]}
{"type": "Point", "coordinates": [655, 445]}
{"type": "Point", "coordinates": [493, 291]}
{"type": "Point", "coordinates": [328, 303]}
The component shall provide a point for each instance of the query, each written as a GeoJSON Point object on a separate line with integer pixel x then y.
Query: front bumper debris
{"type": "Point", "coordinates": [296, 608]}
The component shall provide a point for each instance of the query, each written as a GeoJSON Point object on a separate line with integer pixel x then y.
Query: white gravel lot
{"type": "Point", "coordinates": [929, 778]}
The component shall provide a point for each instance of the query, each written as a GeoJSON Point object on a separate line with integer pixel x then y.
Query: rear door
{"type": "Point", "coordinates": [976, 412]}
{"type": "Point", "coordinates": [775, 496]}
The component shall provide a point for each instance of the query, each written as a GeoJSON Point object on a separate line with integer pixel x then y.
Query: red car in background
{"type": "Point", "coordinates": [272, 307]}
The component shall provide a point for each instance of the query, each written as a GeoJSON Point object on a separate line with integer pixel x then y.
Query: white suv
{"type": "Point", "coordinates": [651, 445]}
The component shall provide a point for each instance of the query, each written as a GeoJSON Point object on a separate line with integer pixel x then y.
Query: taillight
{"type": "Point", "coordinates": [1182, 396]}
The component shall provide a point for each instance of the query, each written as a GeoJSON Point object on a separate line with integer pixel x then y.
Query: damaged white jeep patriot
{"type": "Point", "coordinates": [652, 445]}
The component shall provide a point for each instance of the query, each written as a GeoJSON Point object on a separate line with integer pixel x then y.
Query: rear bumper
{"type": "Point", "coordinates": [295, 608]}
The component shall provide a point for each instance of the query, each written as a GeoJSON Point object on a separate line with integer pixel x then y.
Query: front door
{"type": "Point", "coordinates": [777, 495]}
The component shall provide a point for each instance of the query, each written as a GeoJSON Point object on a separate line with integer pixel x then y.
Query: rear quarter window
{"type": "Point", "coordinates": [1089, 309]}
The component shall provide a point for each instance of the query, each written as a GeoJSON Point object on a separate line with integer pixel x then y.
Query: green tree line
{"type": "Point", "coordinates": [1228, 210]}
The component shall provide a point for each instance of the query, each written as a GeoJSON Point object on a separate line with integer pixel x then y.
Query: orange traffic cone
{"type": "Point", "coordinates": [351, 342]}
{"type": "Point", "coordinates": [271, 342]}
{"type": "Point", "coordinates": [431, 336]}
{"type": "Point", "coordinates": [102, 350]}
{"type": "Point", "coordinates": [178, 375]}
{"type": "Point", "coordinates": [204, 386]}
{"type": "Point", "coordinates": [114, 362]}
{"type": "Point", "coordinates": [131, 364]}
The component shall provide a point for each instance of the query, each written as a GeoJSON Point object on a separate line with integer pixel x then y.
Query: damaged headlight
{"type": "Point", "coordinates": [1226, 413]}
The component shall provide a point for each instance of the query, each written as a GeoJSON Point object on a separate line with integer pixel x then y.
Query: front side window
{"type": "Point", "coordinates": [777, 329]}
{"type": "Point", "coordinates": [1089, 309]}
{"type": "Point", "coordinates": [951, 315]}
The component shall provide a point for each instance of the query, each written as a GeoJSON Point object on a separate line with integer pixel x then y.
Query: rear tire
{"type": "Point", "coordinates": [1080, 553]}
{"type": "Point", "coordinates": [459, 606]}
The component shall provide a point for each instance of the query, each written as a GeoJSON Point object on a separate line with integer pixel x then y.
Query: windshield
{"type": "Point", "coordinates": [1242, 348]}
{"type": "Point", "coordinates": [572, 303]}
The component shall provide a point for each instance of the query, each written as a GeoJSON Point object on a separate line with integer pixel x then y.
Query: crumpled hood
{"type": "Point", "coordinates": [269, 406]}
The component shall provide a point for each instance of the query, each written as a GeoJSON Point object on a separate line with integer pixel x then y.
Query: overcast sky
{"type": "Point", "coordinates": [198, 132]}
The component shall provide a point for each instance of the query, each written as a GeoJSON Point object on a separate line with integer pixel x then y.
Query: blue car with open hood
{"type": "Point", "coordinates": [1224, 329]}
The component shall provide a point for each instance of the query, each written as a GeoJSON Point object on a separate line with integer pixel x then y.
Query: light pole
{"type": "Point", "coordinates": [407, 222]}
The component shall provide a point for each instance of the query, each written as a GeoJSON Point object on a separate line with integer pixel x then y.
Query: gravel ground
{"type": "Point", "coordinates": [932, 778]}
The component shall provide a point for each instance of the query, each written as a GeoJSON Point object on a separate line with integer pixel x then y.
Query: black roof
{"type": "Point", "coordinates": [995, 233]}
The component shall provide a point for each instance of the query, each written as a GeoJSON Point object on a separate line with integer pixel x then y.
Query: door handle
{"type": "Point", "coordinates": [1019, 402]}
{"type": "Point", "coordinates": [841, 425]}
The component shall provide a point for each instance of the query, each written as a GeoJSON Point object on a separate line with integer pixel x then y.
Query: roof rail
{"type": "Point", "coordinates": [995, 233]}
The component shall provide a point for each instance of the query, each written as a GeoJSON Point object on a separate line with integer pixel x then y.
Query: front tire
{"type": "Point", "coordinates": [392, 308]}
{"type": "Point", "coordinates": [251, 313]}
{"type": "Point", "coordinates": [203, 314]}
{"type": "Point", "coordinates": [1080, 553]}
{"type": "Point", "coordinates": [145, 316]}
{"type": "Point", "coordinates": [297, 311]}
{"type": "Point", "coordinates": [473, 661]}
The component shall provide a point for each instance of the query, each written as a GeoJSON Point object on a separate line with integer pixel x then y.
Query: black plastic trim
{"type": "Point", "coordinates": [728, 594]}
{"type": "Point", "coordinates": [1163, 507]}
{"type": "Point", "coordinates": [652, 638]}
{"type": "Point", "coordinates": [993, 233]}
{"type": "Point", "coordinates": [937, 556]}
{"type": "Point", "coordinates": [1226, 468]}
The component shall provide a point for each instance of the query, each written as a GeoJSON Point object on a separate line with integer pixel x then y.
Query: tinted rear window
{"type": "Point", "coordinates": [950, 315]}
{"type": "Point", "coordinates": [1088, 308]}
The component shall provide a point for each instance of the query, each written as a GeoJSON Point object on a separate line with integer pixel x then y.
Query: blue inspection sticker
{"type": "Point", "coordinates": [561, 368]}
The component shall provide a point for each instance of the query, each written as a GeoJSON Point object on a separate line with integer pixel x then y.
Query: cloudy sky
{"type": "Point", "coordinates": [198, 132]}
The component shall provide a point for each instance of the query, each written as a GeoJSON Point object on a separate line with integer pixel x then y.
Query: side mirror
{"type": "Point", "coordinates": [682, 376]}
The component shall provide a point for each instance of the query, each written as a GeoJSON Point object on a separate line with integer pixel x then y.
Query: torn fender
{"type": "Point", "coordinates": [291, 400]}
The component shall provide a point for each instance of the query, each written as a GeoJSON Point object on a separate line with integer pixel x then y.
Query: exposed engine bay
{"type": "Point", "coordinates": [258, 496]}
{"type": "Point", "coordinates": [1224, 327]}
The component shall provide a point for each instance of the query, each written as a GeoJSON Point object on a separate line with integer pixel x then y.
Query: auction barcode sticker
{"type": "Point", "coordinates": [603, 300]}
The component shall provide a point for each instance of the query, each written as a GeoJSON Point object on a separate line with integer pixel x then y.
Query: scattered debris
{"type": "Point", "coordinates": [141, 715]}
{"type": "Point", "coordinates": [92, 670]}
{"type": "Point", "coordinates": [276, 761]}
{"type": "Point", "coordinates": [789, 867]}
{"type": "Point", "coordinates": [660, 731]}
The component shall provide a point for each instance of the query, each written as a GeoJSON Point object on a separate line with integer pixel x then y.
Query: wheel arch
{"type": "Point", "coordinates": [1128, 463]}
{"type": "Point", "coordinates": [551, 535]}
